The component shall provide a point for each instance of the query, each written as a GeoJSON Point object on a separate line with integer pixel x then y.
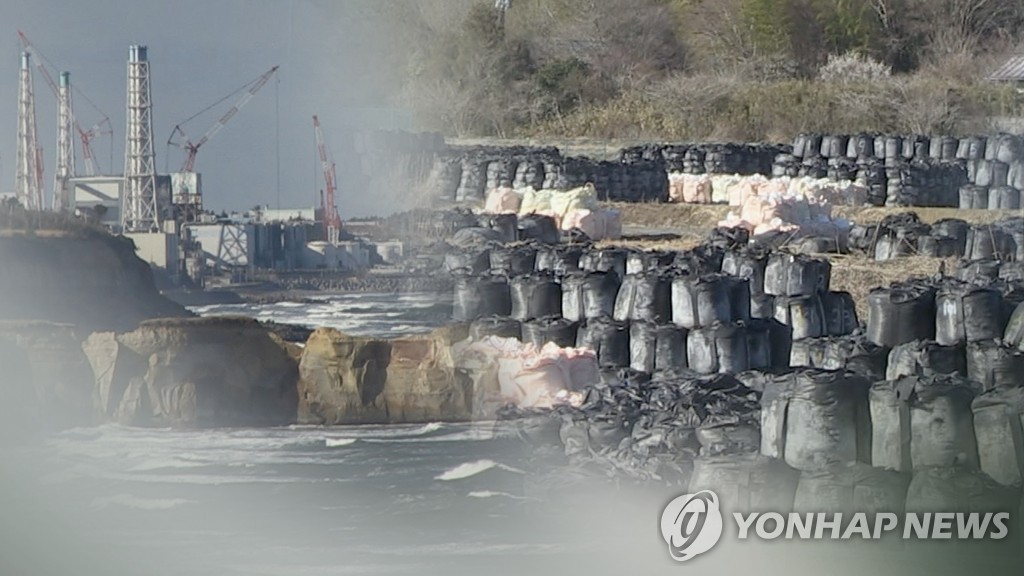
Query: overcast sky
{"type": "Point", "coordinates": [330, 53]}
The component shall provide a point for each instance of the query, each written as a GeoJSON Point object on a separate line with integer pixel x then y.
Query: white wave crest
{"type": "Point", "coordinates": [470, 469]}
{"type": "Point", "coordinates": [492, 494]}
{"type": "Point", "coordinates": [165, 463]}
{"type": "Point", "coordinates": [130, 501]}
{"type": "Point", "coordinates": [428, 428]}
{"type": "Point", "coordinates": [339, 442]}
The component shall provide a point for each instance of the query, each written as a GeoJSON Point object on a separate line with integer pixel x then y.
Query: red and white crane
{"type": "Point", "coordinates": [332, 221]}
{"type": "Point", "coordinates": [103, 127]}
{"type": "Point", "coordinates": [193, 147]}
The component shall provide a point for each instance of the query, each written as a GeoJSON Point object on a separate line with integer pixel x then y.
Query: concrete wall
{"type": "Point", "coordinates": [349, 256]}
{"type": "Point", "coordinates": [391, 252]}
{"type": "Point", "coordinates": [159, 249]}
{"type": "Point", "coordinates": [353, 256]}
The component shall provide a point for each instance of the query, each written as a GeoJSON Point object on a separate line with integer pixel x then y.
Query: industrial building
{"type": "Point", "coordinates": [163, 214]}
{"type": "Point", "coordinates": [102, 198]}
{"type": "Point", "coordinates": [267, 246]}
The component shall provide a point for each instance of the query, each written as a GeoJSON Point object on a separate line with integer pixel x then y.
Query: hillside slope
{"type": "Point", "coordinates": [82, 277]}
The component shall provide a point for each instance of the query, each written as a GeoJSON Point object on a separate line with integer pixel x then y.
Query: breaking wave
{"type": "Point", "coordinates": [470, 469]}
{"type": "Point", "coordinates": [339, 442]}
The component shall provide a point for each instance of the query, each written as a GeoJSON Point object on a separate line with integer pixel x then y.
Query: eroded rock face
{"type": "Point", "coordinates": [356, 380]}
{"type": "Point", "coordinates": [193, 372]}
{"type": "Point", "coordinates": [45, 379]}
{"type": "Point", "coordinates": [341, 378]}
{"type": "Point", "coordinates": [423, 384]}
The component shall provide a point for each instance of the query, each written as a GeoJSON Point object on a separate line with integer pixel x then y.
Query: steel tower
{"type": "Point", "coordinates": [28, 172]}
{"type": "Point", "coordinates": [65, 147]}
{"type": "Point", "coordinates": [139, 206]}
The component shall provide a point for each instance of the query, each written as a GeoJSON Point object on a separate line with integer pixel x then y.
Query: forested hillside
{"type": "Point", "coordinates": [704, 69]}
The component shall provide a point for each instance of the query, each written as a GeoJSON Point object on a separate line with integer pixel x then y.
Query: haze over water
{"type": "Point", "coordinates": [436, 499]}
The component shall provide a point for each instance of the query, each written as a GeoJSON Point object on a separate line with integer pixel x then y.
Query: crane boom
{"type": "Point", "coordinates": [193, 148]}
{"type": "Point", "coordinates": [332, 221]}
{"type": "Point", "coordinates": [86, 136]}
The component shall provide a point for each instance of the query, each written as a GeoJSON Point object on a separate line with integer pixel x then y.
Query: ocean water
{"type": "Point", "coordinates": [433, 499]}
{"type": "Point", "coordinates": [385, 315]}
{"type": "Point", "coordinates": [296, 500]}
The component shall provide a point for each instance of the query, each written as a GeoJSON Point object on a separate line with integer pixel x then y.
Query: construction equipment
{"type": "Point", "coordinates": [332, 221]}
{"type": "Point", "coordinates": [101, 128]}
{"type": "Point", "coordinates": [192, 148]}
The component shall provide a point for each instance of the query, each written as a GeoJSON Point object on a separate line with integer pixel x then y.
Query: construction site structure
{"type": "Point", "coordinates": [103, 127]}
{"type": "Point", "coordinates": [331, 219]}
{"type": "Point", "coordinates": [140, 213]}
{"type": "Point", "coordinates": [186, 185]}
{"type": "Point", "coordinates": [28, 186]}
{"type": "Point", "coordinates": [193, 148]}
{"type": "Point", "coordinates": [62, 200]}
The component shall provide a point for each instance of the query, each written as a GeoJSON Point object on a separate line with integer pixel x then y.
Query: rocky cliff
{"type": "Point", "coordinates": [45, 379]}
{"type": "Point", "coordinates": [86, 278]}
{"type": "Point", "coordinates": [193, 372]}
{"type": "Point", "coordinates": [353, 380]}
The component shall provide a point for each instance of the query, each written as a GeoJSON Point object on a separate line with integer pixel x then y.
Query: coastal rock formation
{"type": "Point", "coordinates": [82, 277]}
{"type": "Point", "coordinates": [357, 380]}
{"type": "Point", "coordinates": [45, 380]}
{"type": "Point", "coordinates": [424, 385]}
{"type": "Point", "coordinates": [192, 372]}
{"type": "Point", "coordinates": [341, 378]}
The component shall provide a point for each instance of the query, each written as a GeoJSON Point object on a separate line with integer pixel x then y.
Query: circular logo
{"type": "Point", "coordinates": [691, 525]}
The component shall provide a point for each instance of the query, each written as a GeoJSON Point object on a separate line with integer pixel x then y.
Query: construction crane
{"type": "Point", "coordinates": [103, 127]}
{"type": "Point", "coordinates": [332, 221]}
{"type": "Point", "coordinates": [192, 148]}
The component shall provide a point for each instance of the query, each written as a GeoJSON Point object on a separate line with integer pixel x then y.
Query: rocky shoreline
{"type": "Point", "coordinates": [87, 339]}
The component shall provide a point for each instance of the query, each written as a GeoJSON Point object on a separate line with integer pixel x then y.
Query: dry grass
{"type": "Point", "coordinates": [699, 217]}
{"type": "Point", "coordinates": [871, 215]}
{"type": "Point", "coordinates": [859, 275]}
{"type": "Point", "coordinates": [596, 148]}
{"type": "Point", "coordinates": [665, 242]}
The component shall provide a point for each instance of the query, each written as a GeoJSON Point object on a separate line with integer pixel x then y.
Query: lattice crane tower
{"type": "Point", "coordinates": [28, 173]}
{"type": "Point", "coordinates": [139, 207]}
{"type": "Point", "coordinates": [65, 147]}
